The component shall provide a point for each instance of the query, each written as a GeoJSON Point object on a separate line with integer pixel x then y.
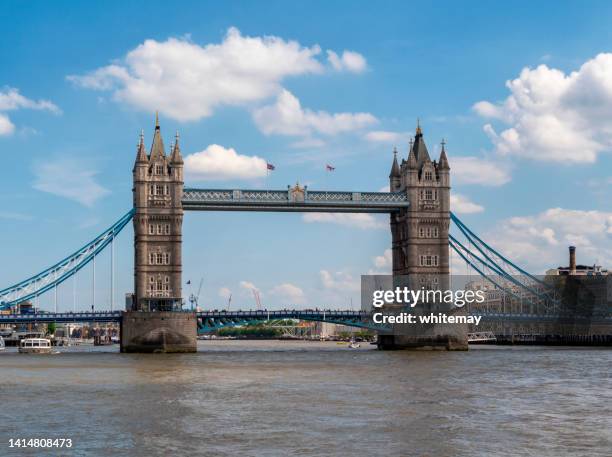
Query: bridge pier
{"type": "Point", "coordinates": [158, 331]}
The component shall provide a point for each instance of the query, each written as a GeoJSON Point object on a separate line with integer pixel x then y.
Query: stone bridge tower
{"type": "Point", "coordinates": [158, 190]}
{"type": "Point", "coordinates": [155, 322]}
{"type": "Point", "coordinates": [420, 232]}
{"type": "Point", "coordinates": [420, 246]}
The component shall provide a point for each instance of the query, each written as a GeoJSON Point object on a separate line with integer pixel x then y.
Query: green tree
{"type": "Point", "coordinates": [51, 327]}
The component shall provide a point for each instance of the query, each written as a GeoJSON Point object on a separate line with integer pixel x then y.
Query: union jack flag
{"type": "Point", "coordinates": [328, 167]}
{"type": "Point", "coordinates": [269, 166]}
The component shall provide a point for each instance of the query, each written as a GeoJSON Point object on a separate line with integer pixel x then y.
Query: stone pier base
{"type": "Point", "coordinates": [159, 331]}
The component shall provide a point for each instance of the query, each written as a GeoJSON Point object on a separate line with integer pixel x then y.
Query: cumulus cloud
{"type": "Point", "coordinates": [358, 220]}
{"type": "Point", "coordinates": [248, 286]}
{"type": "Point", "coordinates": [70, 179]}
{"type": "Point", "coordinates": [540, 241]}
{"type": "Point", "coordinates": [225, 293]}
{"type": "Point", "coordinates": [387, 137]}
{"type": "Point", "coordinates": [11, 100]}
{"type": "Point", "coordinates": [188, 81]}
{"type": "Point", "coordinates": [554, 116]}
{"type": "Point", "coordinates": [338, 281]}
{"type": "Point", "coordinates": [348, 61]}
{"type": "Point", "coordinates": [289, 292]}
{"type": "Point", "coordinates": [219, 163]}
{"type": "Point", "coordinates": [287, 117]}
{"type": "Point", "coordinates": [385, 260]}
{"type": "Point", "coordinates": [475, 170]}
{"type": "Point", "coordinates": [6, 126]}
{"type": "Point", "coordinates": [460, 204]}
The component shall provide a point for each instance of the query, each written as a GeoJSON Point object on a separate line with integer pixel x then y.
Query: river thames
{"type": "Point", "coordinates": [281, 398]}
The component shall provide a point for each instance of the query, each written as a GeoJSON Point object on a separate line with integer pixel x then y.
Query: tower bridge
{"type": "Point", "coordinates": [418, 205]}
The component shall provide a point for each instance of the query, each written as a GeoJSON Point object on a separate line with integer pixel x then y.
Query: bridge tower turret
{"type": "Point", "coordinates": [158, 191]}
{"type": "Point", "coordinates": [420, 232]}
{"type": "Point", "coordinates": [420, 246]}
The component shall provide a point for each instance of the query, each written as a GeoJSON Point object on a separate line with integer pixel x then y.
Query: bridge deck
{"type": "Point", "coordinates": [293, 200]}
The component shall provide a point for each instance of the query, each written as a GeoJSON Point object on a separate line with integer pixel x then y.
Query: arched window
{"type": "Point", "coordinates": [428, 176]}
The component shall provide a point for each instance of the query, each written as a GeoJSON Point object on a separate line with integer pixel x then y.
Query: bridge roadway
{"type": "Point", "coordinates": [296, 199]}
{"type": "Point", "coordinates": [223, 317]}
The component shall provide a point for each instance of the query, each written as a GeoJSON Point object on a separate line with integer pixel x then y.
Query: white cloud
{"type": "Point", "coordinates": [358, 220]}
{"type": "Point", "coordinates": [289, 292]}
{"type": "Point", "coordinates": [348, 61]}
{"type": "Point", "coordinates": [540, 241]}
{"type": "Point", "coordinates": [11, 100]}
{"type": "Point", "coordinates": [339, 281]}
{"type": "Point", "coordinates": [384, 261]}
{"type": "Point", "coordinates": [69, 179]}
{"type": "Point", "coordinates": [187, 81]}
{"type": "Point", "coordinates": [225, 293]}
{"type": "Point", "coordinates": [287, 117]}
{"type": "Point", "coordinates": [218, 163]}
{"type": "Point", "coordinates": [555, 116]}
{"type": "Point", "coordinates": [6, 126]}
{"type": "Point", "coordinates": [460, 204]}
{"type": "Point", "coordinates": [248, 286]}
{"type": "Point", "coordinates": [387, 137]}
{"type": "Point", "coordinates": [475, 170]}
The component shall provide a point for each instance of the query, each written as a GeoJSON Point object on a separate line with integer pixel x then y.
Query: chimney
{"type": "Point", "coordinates": [572, 260]}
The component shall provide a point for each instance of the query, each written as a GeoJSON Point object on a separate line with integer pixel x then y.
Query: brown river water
{"type": "Point", "coordinates": [286, 398]}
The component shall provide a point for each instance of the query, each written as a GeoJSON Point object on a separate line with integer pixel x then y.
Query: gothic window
{"type": "Point", "coordinates": [151, 229]}
{"type": "Point", "coordinates": [435, 194]}
{"type": "Point", "coordinates": [167, 228]}
{"type": "Point", "coordinates": [429, 260]}
{"type": "Point", "coordinates": [428, 232]}
{"type": "Point", "coordinates": [166, 190]}
{"type": "Point", "coordinates": [160, 258]}
{"type": "Point", "coordinates": [428, 176]}
{"type": "Point", "coordinates": [151, 259]}
{"type": "Point", "coordinates": [151, 279]}
{"type": "Point", "coordinates": [159, 229]}
{"type": "Point", "coordinates": [151, 190]}
{"type": "Point", "coordinates": [159, 189]}
{"type": "Point", "coordinates": [159, 169]}
{"type": "Point", "coordinates": [166, 258]}
{"type": "Point", "coordinates": [429, 194]}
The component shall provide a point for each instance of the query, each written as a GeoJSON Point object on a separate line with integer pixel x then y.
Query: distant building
{"type": "Point", "coordinates": [577, 270]}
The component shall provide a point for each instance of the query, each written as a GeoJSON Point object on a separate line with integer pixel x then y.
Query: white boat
{"type": "Point", "coordinates": [1, 344]}
{"type": "Point", "coordinates": [35, 346]}
{"type": "Point", "coordinates": [353, 344]}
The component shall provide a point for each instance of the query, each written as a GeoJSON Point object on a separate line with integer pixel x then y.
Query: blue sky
{"type": "Point", "coordinates": [334, 82]}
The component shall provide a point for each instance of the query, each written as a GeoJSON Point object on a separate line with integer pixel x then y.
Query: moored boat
{"type": "Point", "coordinates": [35, 346]}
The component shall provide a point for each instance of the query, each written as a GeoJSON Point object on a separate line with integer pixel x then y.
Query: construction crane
{"type": "Point", "coordinates": [257, 298]}
{"type": "Point", "coordinates": [193, 299]}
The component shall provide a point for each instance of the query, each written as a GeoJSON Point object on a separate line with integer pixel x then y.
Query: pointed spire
{"type": "Point", "coordinates": [420, 150]}
{"type": "Point", "coordinates": [395, 169]}
{"type": "Point", "coordinates": [141, 155]}
{"type": "Point", "coordinates": [157, 148]}
{"type": "Point", "coordinates": [176, 151]}
{"type": "Point", "coordinates": [443, 162]}
{"type": "Point", "coordinates": [412, 161]}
